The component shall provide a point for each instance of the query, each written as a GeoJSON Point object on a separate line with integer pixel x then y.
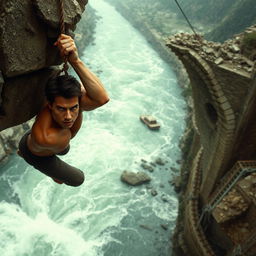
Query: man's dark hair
{"type": "Point", "coordinates": [66, 86]}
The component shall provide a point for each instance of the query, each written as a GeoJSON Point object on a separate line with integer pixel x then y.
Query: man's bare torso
{"type": "Point", "coordinates": [47, 138]}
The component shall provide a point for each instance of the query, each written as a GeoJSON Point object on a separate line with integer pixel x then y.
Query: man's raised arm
{"type": "Point", "coordinates": [94, 94]}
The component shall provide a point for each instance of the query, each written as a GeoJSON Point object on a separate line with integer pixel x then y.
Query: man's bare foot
{"type": "Point", "coordinates": [57, 181]}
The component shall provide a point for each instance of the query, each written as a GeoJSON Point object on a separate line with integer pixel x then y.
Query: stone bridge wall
{"type": "Point", "coordinates": [223, 90]}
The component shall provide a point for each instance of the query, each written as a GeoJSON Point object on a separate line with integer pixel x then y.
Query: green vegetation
{"type": "Point", "coordinates": [219, 19]}
{"type": "Point", "coordinates": [249, 41]}
{"type": "Point", "coordinates": [240, 15]}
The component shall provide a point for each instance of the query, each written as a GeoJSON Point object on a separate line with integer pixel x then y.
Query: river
{"type": "Point", "coordinates": [105, 217]}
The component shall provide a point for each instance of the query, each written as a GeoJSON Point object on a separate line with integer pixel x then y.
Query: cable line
{"type": "Point", "coordinates": [63, 31]}
{"type": "Point", "coordinates": [189, 23]}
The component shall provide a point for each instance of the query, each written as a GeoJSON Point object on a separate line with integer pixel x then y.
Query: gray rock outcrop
{"type": "Point", "coordinates": [229, 54]}
{"type": "Point", "coordinates": [73, 11]}
{"type": "Point", "coordinates": [9, 139]}
{"type": "Point", "coordinates": [27, 32]}
{"type": "Point", "coordinates": [135, 179]}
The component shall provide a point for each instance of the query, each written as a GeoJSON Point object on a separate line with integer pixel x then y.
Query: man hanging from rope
{"type": "Point", "coordinates": [61, 118]}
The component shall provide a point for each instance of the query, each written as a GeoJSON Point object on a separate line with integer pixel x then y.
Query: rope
{"type": "Point", "coordinates": [62, 30]}
{"type": "Point", "coordinates": [189, 23]}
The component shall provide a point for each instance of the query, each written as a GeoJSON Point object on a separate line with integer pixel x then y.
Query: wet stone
{"type": "Point", "coordinates": [147, 167]}
{"type": "Point", "coordinates": [164, 226]}
{"type": "Point", "coordinates": [164, 198]}
{"type": "Point", "coordinates": [149, 187]}
{"type": "Point", "coordinates": [153, 192]}
{"type": "Point", "coordinates": [146, 227]}
{"type": "Point", "coordinates": [178, 161]}
{"type": "Point", "coordinates": [153, 164]}
{"type": "Point", "coordinates": [160, 161]}
{"type": "Point", "coordinates": [135, 179]}
{"type": "Point", "coordinates": [73, 12]}
{"type": "Point", "coordinates": [218, 61]}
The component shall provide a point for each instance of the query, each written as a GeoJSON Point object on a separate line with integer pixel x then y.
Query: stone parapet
{"type": "Point", "coordinates": [221, 80]}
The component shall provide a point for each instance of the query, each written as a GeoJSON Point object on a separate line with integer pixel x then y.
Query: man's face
{"type": "Point", "coordinates": [65, 111]}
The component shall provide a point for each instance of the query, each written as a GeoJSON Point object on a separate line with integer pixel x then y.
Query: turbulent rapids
{"type": "Point", "coordinates": [104, 216]}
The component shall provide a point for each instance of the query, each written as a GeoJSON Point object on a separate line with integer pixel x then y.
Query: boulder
{"type": "Point", "coordinates": [160, 161]}
{"type": "Point", "coordinates": [146, 227]}
{"type": "Point", "coordinates": [147, 167]}
{"type": "Point", "coordinates": [135, 179]}
{"type": "Point", "coordinates": [234, 48]}
{"type": "Point", "coordinates": [164, 198]}
{"type": "Point", "coordinates": [19, 103]}
{"type": "Point", "coordinates": [49, 12]}
{"type": "Point", "coordinates": [164, 226]}
{"type": "Point", "coordinates": [11, 137]}
{"type": "Point", "coordinates": [218, 61]}
{"type": "Point", "coordinates": [154, 192]}
{"type": "Point", "coordinates": [23, 39]}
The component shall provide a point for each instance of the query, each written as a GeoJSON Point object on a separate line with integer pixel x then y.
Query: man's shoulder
{"type": "Point", "coordinates": [42, 132]}
{"type": "Point", "coordinates": [41, 124]}
{"type": "Point", "coordinates": [46, 135]}
{"type": "Point", "coordinates": [55, 139]}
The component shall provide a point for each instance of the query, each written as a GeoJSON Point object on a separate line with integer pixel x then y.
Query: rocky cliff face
{"type": "Point", "coordinates": [9, 139]}
{"type": "Point", "coordinates": [27, 56]}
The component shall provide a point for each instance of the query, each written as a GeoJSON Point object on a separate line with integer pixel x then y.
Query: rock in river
{"type": "Point", "coordinates": [135, 179]}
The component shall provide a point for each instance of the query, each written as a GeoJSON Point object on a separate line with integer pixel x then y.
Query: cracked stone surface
{"type": "Point", "coordinates": [27, 32]}
{"type": "Point", "coordinates": [229, 53]}
{"type": "Point", "coordinates": [49, 12]}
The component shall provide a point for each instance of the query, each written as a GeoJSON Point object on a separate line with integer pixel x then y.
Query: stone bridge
{"type": "Point", "coordinates": [222, 80]}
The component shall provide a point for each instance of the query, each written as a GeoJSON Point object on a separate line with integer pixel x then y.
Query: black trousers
{"type": "Point", "coordinates": [52, 165]}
